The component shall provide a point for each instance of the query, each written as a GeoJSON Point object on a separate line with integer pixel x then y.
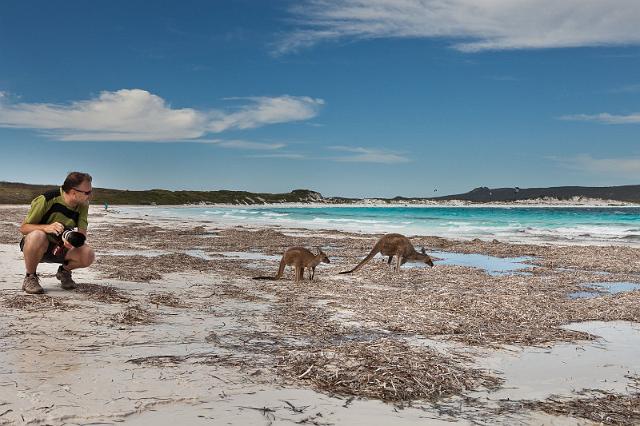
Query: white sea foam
{"type": "Point", "coordinates": [581, 227]}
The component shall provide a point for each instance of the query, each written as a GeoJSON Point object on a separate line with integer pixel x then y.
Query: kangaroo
{"type": "Point", "coordinates": [395, 245]}
{"type": "Point", "coordinates": [300, 258]}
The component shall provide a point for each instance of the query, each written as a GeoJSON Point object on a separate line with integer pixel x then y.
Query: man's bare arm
{"type": "Point", "coordinates": [52, 228]}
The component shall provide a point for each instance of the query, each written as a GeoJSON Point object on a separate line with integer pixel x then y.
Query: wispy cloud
{"type": "Point", "coordinates": [285, 155]}
{"type": "Point", "coordinates": [243, 144]}
{"type": "Point", "coordinates": [626, 167]}
{"type": "Point", "coordinates": [605, 118]}
{"type": "Point", "coordinates": [630, 88]}
{"type": "Point", "coordinates": [368, 155]}
{"type": "Point", "coordinates": [265, 110]}
{"type": "Point", "coordinates": [476, 26]}
{"type": "Point", "coordinates": [503, 78]}
{"type": "Point", "coordinates": [137, 115]}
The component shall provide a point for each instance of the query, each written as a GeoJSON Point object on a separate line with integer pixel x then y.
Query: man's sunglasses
{"type": "Point", "coordinates": [84, 192]}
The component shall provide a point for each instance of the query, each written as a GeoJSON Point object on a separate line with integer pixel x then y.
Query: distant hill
{"type": "Point", "coordinates": [21, 193]}
{"type": "Point", "coordinates": [628, 193]}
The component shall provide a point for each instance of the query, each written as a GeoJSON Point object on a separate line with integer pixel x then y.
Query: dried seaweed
{"type": "Point", "coordinates": [102, 293]}
{"type": "Point", "coordinates": [134, 315]}
{"type": "Point", "coordinates": [176, 360]}
{"type": "Point", "coordinates": [596, 405]}
{"type": "Point", "coordinates": [127, 268]}
{"type": "Point", "coordinates": [466, 305]}
{"type": "Point", "coordinates": [145, 268]}
{"type": "Point", "coordinates": [9, 233]}
{"type": "Point", "coordinates": [226, 290]}
{"type": "Point", "coordinates": [158, 360]}
{"type": "Point", "coordinates": [166, 299]}
{"type": "Point", "coordinates": [386, 369]}
{"type": "Point", "coordinates": [35, 303]}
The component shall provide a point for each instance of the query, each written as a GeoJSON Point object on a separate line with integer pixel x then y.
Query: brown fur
{"type": "Point", "coordinates": [300, 258]}
{"type": "Point", "coordinates": [394, 245]}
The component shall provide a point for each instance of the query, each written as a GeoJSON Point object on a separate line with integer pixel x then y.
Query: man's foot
{"type": "Point", "coordinates": [31, 284]}
{"type": "Point", "coordinates": [66, 282]}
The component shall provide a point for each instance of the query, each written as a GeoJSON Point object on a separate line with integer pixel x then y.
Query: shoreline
{"type": "Point", "coordinates": [396, 205]}
{"type": "Point", "coordinates": [509, 230]}
{"type": "Point", "coordinates": [443, 204]}
{"type": "Point", "coordinates": [578, 235]}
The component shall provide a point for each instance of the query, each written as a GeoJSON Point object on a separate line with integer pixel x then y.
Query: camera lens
{"type": "Point", "coordinates": [74, 238]}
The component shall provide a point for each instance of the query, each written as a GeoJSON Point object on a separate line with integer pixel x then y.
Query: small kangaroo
{"type": "Point", "coordinates": [300, 258]}
{"type": "Point", "coordinates": [395, 245]}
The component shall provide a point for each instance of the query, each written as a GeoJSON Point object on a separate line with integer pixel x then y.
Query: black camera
{"type": "Point", "coordinates": [74, 238]}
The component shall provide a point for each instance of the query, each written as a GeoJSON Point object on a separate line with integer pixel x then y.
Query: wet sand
{"type": "Point", "coordinates": [168, 326]}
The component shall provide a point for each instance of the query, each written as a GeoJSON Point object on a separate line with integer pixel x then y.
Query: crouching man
{"type": "Point", "coordinates": [50, 214]}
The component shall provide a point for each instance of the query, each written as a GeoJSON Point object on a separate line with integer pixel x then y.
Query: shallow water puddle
{"type": "Point", "coordinates": [250, 255]}
{"type": "Point", "coordinates": [537, 373]}
{"type": "Point", "coordinates": [491, 264]}
{"type": "Point", "coordinates": [200, 254]}
{"type": "Point", "coordinates": [604, 289]}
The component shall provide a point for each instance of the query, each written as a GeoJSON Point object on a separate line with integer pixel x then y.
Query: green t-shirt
{"type": "Point", "coordinates": [40, 206]}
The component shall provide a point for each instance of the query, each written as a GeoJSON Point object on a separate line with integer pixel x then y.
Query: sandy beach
{"type": "Point", "coordinates": [169, 327]}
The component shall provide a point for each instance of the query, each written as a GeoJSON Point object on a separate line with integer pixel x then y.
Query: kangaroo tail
{"type": "Point", "coordinates": [365, 260]}
{"type": "Point", "coordinates": [278, 275]}
{"type": "Point", "coordinates": [280, 269]}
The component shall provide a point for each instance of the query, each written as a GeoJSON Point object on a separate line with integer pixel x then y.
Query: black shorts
{"type": "Point", "coordinates": [49, 257]}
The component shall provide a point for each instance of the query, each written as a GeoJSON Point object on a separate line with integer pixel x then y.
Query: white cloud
{"type": "Point", "coordinates": [627, 166]}
{"type": "Point", "coordinates": [368, 155]}
{"type": "Point", "coordinates": [268, 111]}
{"type": "Point", "coordinates": [476, 25]}
{"type": "Point", "coordinates": [605, 118]}
{"type": "Point", "coordinates": [290, 156]}
{"type": "Point", "coordinates": [137, 115]}
{"type": "Point", "coordinates": [630, 88]}
{"type": "Point", "coordinates": [242, 144]}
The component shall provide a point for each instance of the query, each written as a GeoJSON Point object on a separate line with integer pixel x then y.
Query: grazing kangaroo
{"type": "Point", "coordinates": [300, 258]}
{"type": "Point", "coordinates": [395, 245]}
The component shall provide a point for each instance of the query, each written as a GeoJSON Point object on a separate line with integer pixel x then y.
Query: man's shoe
{"type": "Point", "coordinates": [31, 285]}
{"type": "Point", "coordinates": [66, 282]}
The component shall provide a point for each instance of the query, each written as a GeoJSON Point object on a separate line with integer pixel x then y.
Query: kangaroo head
{"type": "Point", "coordinates": [427, 259]}
{"type": "Point", "coordinates": [323, 257]}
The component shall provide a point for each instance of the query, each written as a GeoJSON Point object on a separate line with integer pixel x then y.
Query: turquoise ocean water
{"type": "Point", "coordinates": [582, 225]}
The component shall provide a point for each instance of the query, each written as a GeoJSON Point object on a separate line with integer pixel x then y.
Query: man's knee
{"type": "Point", "coordinates": [87, 256]}
{"type": "Point", "coordinates": [36, 239]}
{"type": "Point", "coordinates": [90, 256]}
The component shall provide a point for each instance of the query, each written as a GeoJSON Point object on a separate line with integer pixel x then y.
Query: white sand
{"type": "Point", "coordinates": [71, 366]}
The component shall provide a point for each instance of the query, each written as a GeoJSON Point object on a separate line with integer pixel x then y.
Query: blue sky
{"type": "Point", "coordinates": [349, 98]}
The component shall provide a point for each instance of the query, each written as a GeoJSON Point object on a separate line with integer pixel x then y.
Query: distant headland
{"type": "Point", "coordinates": [22, 193]}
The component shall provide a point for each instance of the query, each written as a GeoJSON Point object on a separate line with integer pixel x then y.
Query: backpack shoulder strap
{"type": "Point", "coordinates": [50, 195]}
{"type": "Point", "coordinates": [58, 208]}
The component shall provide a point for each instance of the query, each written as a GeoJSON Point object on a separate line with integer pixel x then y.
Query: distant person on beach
{"type": "Point", "coordinates": [52, 213]}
